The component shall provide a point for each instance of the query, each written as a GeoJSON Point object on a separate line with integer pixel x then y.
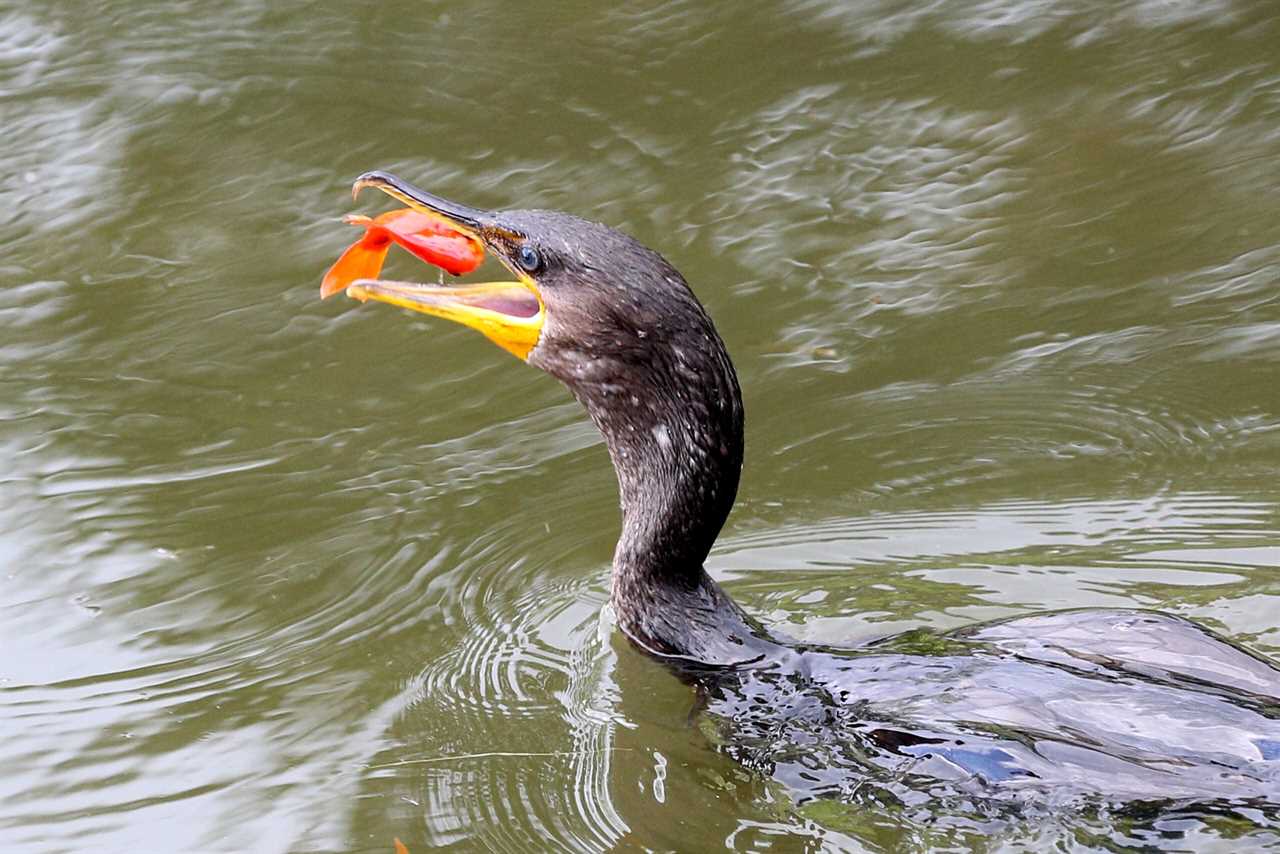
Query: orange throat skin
{"type": "Point", "coordinates": [510, 314]}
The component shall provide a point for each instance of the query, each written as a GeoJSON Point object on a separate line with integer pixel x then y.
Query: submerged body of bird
{"type": "Point", "coordinates": [1052, 709]}
{"type": "Point", "coordinates": [1101, 706]}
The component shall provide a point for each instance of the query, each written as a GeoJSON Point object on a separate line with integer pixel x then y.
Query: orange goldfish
{"type": "Point", "coordinates": [423, 235]}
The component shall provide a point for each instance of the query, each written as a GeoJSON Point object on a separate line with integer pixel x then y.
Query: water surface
{"type": "Point", "coordinates": [1000, 279]}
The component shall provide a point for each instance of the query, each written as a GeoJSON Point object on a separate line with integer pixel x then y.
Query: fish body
{"type": "Point", "coordinates": [423, 235]}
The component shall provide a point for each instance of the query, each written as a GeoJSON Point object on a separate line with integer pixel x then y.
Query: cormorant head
{"type": "Point", "coordinates": [589, 305]}
{"type": "Point", "coordinates": [616, 323]}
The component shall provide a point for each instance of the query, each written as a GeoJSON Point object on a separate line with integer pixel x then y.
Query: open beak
{"type": "Point", "coordinates": [510, 314]}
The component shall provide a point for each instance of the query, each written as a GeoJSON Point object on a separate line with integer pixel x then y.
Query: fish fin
{"type": "Point", "coordinates": [358, 262]}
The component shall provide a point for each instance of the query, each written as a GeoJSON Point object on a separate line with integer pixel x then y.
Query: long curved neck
{"type": "Point", "coordinates": [672, 418]}
{"type": "Point", "coordinates": [676, 447]}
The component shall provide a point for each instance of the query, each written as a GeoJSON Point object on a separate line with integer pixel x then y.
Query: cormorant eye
{"type": "Point", "coordinates": [528, 258]}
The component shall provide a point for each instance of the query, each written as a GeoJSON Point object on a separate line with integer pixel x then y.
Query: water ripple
{"type": "Point", "coordinates": [1196, 552]}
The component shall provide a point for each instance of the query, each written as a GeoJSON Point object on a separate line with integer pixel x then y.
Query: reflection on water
{"type": "Point", "coordinates": [999, 279]}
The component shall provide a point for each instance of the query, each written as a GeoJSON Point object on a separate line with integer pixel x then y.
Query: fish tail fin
{"type": "Point", "coordinates": [358, 262]}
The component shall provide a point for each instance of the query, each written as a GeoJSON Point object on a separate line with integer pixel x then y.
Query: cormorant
{"type": "Point", "coordinates": [1109, 705]}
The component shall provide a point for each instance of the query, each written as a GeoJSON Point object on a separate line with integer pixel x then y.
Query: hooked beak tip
{"type": "Point", "coordinates": [374, 178]}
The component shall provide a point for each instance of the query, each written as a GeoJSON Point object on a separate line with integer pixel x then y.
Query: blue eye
{"type": "Point", "coordinates": [528, 258]}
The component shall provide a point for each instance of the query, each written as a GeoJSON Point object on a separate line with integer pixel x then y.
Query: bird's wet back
{"type": "Point", "coordinates": [1072, 710]}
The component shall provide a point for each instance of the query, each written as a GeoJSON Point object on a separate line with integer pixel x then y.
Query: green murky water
{"type": "Point", "coordinates": [1001, 279]}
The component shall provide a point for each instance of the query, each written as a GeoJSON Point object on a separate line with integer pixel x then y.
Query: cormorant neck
{"type": "Point", "coordinates": [676, 447]}
{"type": "Point", "coordinates": [670, 411]}
{"type": "Point", "coordinates": [676, 441]}
{"type": "Point", "coordinates": [673, 428]}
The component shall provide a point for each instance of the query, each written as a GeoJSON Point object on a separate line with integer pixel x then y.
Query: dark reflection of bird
{"type": "Point", "coordinates": [1102, 704]}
